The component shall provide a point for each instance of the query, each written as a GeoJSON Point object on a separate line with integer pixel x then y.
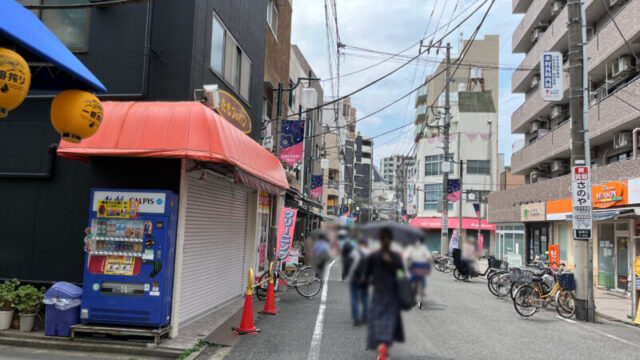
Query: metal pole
{"type": "Point", "coordinates": [461, 162]}
{"type": "Point", "coordinates": [584, 311]}
{"type": "Point", "coordinates": [444, 239]}
{"type": "Point", "coordinates": [278, 115]}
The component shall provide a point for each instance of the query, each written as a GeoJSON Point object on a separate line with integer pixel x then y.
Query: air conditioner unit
{"type": "Point", "coordinates": [535, 80]}
{"type": "Point", "coordinates": [556, 7]}
{"type": "Point", "coordinates": [534, 126]}
{"type": "Point", "coordinates": [622, 139]}
{"type": "Point", "coordinates": [590, 32]}
{"type": "Point", "coordinates": [557, 166]}
{"type": "Point", "coordinates": [535, 34]}
{"type": "Point", "coordinates": [556, 112]}
{"type": "Point", "coordinates": [211, 95]}
{"type": "Point", "coordinates": [621, 66]}
{"type": "Point", "coordinates": [537, 175]}
{"type": "Point", "coordinates": [593, 97]}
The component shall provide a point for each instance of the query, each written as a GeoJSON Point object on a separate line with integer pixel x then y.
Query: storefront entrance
{"type": "Point", "coordinates": [613, 255]}
{"type": "Point", "coordinates": [537, 240]}
{"type": "Point", "coordinates": [510, 240]}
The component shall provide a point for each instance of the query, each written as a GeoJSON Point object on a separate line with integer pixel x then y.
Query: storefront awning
{"type": "Point", "coordinates": [322, 216]}
{"type": "Point", "coordinates": [185, 130]}
{"type": "Point", "coordinates": [604, 214]}
{"type": "Point", "coordinates": [30, 38]}
{"type": "Point", "coordinates": [436, 223]}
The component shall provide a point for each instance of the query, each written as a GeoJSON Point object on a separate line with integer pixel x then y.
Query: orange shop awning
{"type": "Point", "coordinates": [185, 130]}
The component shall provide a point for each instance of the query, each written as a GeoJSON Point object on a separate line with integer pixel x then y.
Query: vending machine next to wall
{"type": "Point", "coordinates": [130, 247]}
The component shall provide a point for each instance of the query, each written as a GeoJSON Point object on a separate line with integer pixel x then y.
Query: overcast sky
{"type": "Point", "coordinates": [392, 26]}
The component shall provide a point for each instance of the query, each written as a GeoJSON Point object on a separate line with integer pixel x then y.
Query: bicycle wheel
{"type": "Point", "coordinates": [565, 303]}
{"type": "Point", "coordinates": [503, 285]}
{"type": "Point", "coordinates": [448, 268]}
{"type": "Point", "coordinates": [261, 291]}
{"type": "Point", "coordinates": [490, 284]}
{"type": "Point", "coordinates": [513, 289]}
{"type": "Point", "coordinates": [440, 266]}
{"type": "Point", "coordinates": [307, 283]}
{"type": "Point", "coordinates": [457, 274]}
{"type": "Point", "coordinates": [523, 301]}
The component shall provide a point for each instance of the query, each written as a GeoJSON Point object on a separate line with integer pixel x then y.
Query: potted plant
{"type": "Point", "coordinates": [7, 296]}
{"type": "Point", "coordinates": [28, 302]}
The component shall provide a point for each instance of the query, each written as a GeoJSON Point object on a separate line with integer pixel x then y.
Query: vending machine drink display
{"type": "Point", "coordinates": [130, 247]}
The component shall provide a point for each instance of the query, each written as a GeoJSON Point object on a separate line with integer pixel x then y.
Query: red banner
{"type": "Point", "coordinates": [286, 225]}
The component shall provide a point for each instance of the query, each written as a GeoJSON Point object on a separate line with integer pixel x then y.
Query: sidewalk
{"type": "Point", "coordinates": [613, 306]}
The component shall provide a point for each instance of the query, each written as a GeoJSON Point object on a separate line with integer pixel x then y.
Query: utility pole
{"type": "Point", "coordinates": [580, 152]}
{"type": "Point", "coordinates": [445, 174]}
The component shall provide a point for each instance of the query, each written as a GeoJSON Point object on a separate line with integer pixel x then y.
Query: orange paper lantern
{"type": "Point", "coordinates": [15, 79]}
{"type": "Point", "coordinates": [76, 115]}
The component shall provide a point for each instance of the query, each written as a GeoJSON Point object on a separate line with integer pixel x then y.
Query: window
{"type": "Point", "coordinates": [432, 194]}
{"type": "Point", "coordinates": [272, 18]}
{"type": "Point", "coordinates": [70, 26]}
{"type": "Point", "coordinates": [481, 167]}
{"type": "Point", "coordinates": [292, 95]}
{"type": "Point", "coordinates": [433, 164]}
{"type": "Point", "coordinates": [228, 59]}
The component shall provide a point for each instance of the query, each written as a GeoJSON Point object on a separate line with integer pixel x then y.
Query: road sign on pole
{"type": "Point", "coordinates": [582, 205]}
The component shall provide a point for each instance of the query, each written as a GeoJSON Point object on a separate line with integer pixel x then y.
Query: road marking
{"type": "Point", "coordinates": [601, 333]}
{"type": "Point", "coordinates": [316, 340]}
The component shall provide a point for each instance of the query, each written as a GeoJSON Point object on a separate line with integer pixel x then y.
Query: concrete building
{"type": "Point", "coordinates": [363, 176]}
{"type": "Point", "coordinates": [473, 139]}
{"type": "Point", "coordinates": [508, 180]}
{"type": "Point", "coordinates": [382, 197]}
{"type": "Point", "coordinates": [389, 166]}
{"type": "Point", "coordinates": [544, 156]}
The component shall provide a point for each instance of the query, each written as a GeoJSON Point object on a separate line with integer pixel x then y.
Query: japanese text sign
{"type": "Point", "coordinates": [233, 111]}
{"type": "Point", "coordinates": [551, 87]}
{"type": "Point", "coordinates": [286, 226]}
{"type": "Point", "coordinates": [581, 196]}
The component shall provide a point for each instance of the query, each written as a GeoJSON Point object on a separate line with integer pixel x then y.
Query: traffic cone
{"type": "Point", "coordinates": [270, 301]}
{"type": "Point", "coordinates": [246, 323]}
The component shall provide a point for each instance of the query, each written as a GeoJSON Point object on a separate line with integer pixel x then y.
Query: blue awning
{"type": "Point", "coordinates": [41, 49]}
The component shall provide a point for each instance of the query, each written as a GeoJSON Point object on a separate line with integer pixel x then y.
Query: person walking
{"type": "Point", "coordinates": [418, 260]}
{"type": "Point", "coordinates": [468, 257]}
{"type": "Point", "coordinates": [358, 286]}
{"type": "Point", "coordinates": [321, 250]}
{"type": "Point", "coordinates": [385, 323]}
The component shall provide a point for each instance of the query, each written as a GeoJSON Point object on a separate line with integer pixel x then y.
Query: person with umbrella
{"type": "Point", "coordinates": [385, 322]}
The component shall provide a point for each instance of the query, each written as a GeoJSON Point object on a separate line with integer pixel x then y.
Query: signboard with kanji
{"type": "Point", "coordinates": [581, 196]}
{"type": "Point", "coordinates": [551, 87]}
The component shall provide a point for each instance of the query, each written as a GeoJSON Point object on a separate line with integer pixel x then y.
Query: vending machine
{"type": "Point", "coordinates": [130, 247]}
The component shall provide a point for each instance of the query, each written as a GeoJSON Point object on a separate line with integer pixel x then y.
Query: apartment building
{"type": "Point", "coordinates": [473, 140]}
{"type": "Point", "coordinates": [363, 176]}
{"type": "Point", "coordinates": [532, 216]}
{"type": "Point", "coordinates": [389, 167]}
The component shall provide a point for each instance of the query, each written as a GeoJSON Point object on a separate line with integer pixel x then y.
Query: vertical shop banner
{"type": "Point", "coordinates": [453, 190]}
{"type": "Point", "coordinates": [480, 243]}
{"type": "Point", "coordinates": [551, 88]}
{"type": "Point", "coordinates": [292, 141]}
{"type": "Point", "coordinates": [554, 256]}
{"type": "Point", "coordinates": [453, 243]}
{"type": "Point", "coordinates": [286, 226]}
{"type": "Point", "coordinates": [581, 197]}
{"type": "Point", "coordinates": [476, 207]}
{"type": "Point", "coordinates": [316, 186]}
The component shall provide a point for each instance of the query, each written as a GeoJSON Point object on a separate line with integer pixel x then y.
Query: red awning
{"type": "Point", "coordinates": [436, 223]}
{"type": "Point", "coordinates": [185, 130]}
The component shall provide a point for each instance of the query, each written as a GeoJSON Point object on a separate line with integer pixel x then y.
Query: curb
{"type": "Point", "coordinates": [613, 319]}
{"type": "Point", "coordinates": [89, 346]}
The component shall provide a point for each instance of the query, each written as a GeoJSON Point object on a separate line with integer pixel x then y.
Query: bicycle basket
{"type": "Point", "coordinates": [520, 275]}
{"type": "Point", "coordinates": [494, 263]}
{"type": "Point", "coordinates": [567, 281]}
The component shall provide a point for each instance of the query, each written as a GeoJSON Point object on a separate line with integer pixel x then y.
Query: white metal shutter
{"type": "Point", "coordinates": [214, 245]}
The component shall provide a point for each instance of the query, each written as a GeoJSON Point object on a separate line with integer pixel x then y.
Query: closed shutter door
{"type": "Point", "coordinates": [214, 245]}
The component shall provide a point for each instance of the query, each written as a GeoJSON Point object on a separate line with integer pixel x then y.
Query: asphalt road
{"type": "Point", "coordinates": [459, 321]}
{"type": "Point", "coordinates": [22, 353]}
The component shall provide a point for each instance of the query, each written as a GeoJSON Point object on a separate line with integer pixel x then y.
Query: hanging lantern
{"type": "Point", "coordinates": [76, 115]}
{"type": "Point", "coordinates": [15, 79]}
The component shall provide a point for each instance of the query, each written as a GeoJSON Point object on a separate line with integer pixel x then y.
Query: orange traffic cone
{"type": "Point", "coordinates": [270, 302]}
{"type": "Point", "coordinates": [246, 324]}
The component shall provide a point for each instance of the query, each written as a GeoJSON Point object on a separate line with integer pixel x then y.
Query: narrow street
{"type": "Point", "coordinates": [460, 321]}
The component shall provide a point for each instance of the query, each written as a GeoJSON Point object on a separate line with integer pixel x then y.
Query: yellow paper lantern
{"type": "Point", "coordinates": [76, 115]}
{"type": "Point", "coordinates": [15, 79]}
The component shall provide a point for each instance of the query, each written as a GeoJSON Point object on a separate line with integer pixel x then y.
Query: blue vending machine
{"type": "Point", "coordinates": [130, 248]}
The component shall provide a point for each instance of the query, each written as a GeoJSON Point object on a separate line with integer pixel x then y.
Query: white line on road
{"type": "Point", "coordinates": [601, 333]}
{"type": "Point", "coordinates": [316, 340]}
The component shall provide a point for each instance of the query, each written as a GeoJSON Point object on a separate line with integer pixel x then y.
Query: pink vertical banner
{"type": "Point", "coordinates": [285, 232]}
{"type": "Point", "coordinates": [480, 243]}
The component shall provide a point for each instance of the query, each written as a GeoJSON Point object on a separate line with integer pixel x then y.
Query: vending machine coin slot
{"type": "Point", "coordinates": [121, 288]}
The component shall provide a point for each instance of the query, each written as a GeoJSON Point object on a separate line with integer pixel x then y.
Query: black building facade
{"type": "Point", "coordinates": [144, 51]}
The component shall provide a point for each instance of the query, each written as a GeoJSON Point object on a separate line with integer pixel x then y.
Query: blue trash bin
{"type": "Point", "coordinates": [62, 309]}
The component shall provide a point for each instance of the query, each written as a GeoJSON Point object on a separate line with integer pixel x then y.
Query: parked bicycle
{"type": "Point", "coordinates": [303, 278]}
{"type": "Point", "coordinates": [443, 263]}
{"type": "Point", "coordinates": [542, 289]}
{"type": "Point", "coordinates": [493, 266]}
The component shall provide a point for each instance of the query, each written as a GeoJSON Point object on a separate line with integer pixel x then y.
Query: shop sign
{"type": "Point", "coordinates": [533, 212]}
{"type": "Point", "coordinates": [581, 202]}
{"type": "Point", "coordinates": [634, 191]}
{"type": "Point", "coordinates": [609, 194]}
{"type": "Point", "coordinates": [123, 209]}
{"type": "Point", "coordinates": [286, 226]}
{"type": "Point", "coordinates": [265, 201]}
{"type": "Point", "coordinates": [152, 203]}
{"type": "Point", "coordinates": [233, 111]}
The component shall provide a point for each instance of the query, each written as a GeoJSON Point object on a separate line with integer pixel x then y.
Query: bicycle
{"type": "Point", "coordinates": [303, 278]}
{"type": "Point", "coordinates": [537, 295]}
{"type": "Point", "coordinates": [492, 268]}
{"type": "Point", "coordinates": [444, 264]}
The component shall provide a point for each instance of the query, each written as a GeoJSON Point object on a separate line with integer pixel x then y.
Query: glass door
{"type": "Point", "coordinates": [622, 255]}
{"type": "Point", "coordinates": [606, 256]}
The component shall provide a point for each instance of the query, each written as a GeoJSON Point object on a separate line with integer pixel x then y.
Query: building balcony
{"type": "Point", "coordinates": [616, 112]}
{"type": "Point", "coordinates": [421, 96]}
{"type": "Point", "coordinates": [538, 15]}
{"type": "Point", "coordinates": [421, 113]}
{"type": "Point", "coordinates": [520, 6]}
{"type": "Point", "coordinates": [333, 184]}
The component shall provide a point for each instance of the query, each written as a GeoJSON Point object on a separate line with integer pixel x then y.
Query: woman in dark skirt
{"type": "Point", "coordinates": [385, 323]}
